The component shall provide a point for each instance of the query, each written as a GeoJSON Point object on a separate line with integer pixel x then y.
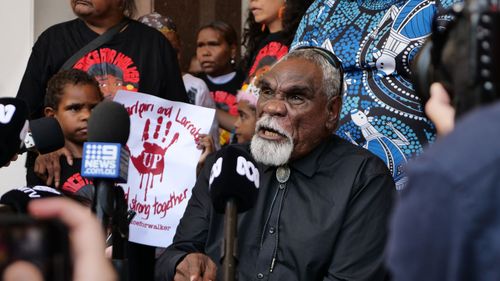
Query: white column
{"type": "Point", "coordinates": [16, 30]}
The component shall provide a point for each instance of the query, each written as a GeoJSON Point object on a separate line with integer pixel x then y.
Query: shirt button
{"type": "Point", "coordinates": [272, 230]}
{"type": "Point", "coordinates": [260, 275]}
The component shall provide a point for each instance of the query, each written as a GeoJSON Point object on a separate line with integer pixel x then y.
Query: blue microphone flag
{"type": "Point", "coordinates": [105, 160]}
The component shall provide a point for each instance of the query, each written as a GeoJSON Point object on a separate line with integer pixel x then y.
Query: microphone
{"type": "Point", "coordinates": [17, 200]}
{"type": "Point", "coordinates": [13, 115]}
{"type": "Point", "coordinates": [105, 157]}
{"type": "Point", "coordinates": [105, 160]}
{"type": "Point", "coordinates": [234, 182]}
{"type": "Point", "coordinates": [43, 135]}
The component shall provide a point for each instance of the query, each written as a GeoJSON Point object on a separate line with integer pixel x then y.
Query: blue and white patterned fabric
{"type": "Point", "coordinates": [376, 41]}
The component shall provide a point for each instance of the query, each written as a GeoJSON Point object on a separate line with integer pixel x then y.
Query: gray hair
{"type": "Point", "coordinates": [331, 75]}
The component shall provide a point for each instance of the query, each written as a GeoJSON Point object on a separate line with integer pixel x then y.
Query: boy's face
{"type": "Point", "coordinates": [73, 111]}
{"type": "Point", "coordinates": [245, 124]}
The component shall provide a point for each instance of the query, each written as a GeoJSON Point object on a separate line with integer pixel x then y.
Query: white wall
{"type": "Point", "coordinates": [16, 30]}
{"type": "Point", "coordinates": [244, 12]}
{"type": "Point", "coordinates": [50, 12]}
{"type": "Point", "coordinates": [21, 22]}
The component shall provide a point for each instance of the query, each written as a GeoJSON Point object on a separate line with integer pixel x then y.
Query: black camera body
{"type": "Point", "coordinates": [43, 244]}
{"type": "Point", "coordinates": [463, 53]}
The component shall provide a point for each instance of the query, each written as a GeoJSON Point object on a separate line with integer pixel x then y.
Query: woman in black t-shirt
{"type": "Point", "coordinates": [269, 31]}
{"type": "Point", "coordinates": [216, 52]}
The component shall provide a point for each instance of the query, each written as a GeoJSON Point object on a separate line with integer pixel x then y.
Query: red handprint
{"type": "Point", "coordinates": [151, 161]}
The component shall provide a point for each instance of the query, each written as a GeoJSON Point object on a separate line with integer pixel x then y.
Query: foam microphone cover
{"type": "Point", "coordinates": [13, 115]}
{"type": "Point", "coordinates": [234, 175]}
{"type": "Point", "coordinates": [19, 198]}
{"type": "Point", "coordinates": [109, 122]}
{"type": "Point", "coordinates": [47, 134]}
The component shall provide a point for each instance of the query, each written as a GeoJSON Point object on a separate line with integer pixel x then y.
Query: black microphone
{"type": "Point", "coordinates": [234, 182]}
{"type": "Point", "coordinates": [43, 135]}
{"type": "Point", "coordinates": [105, 157]}
{"type": "Point", "coordinates": [13, 115]}
{"type": "Point", "coordinates": [105, 160]}
{"type": "Point", "coordinates": [17, 200]}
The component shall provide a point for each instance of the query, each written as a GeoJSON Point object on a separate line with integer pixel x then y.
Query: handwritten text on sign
{"type": "Point", "coordinates": [163, 158]}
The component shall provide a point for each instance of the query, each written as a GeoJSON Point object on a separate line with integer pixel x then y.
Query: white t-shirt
{"type": "Point", "coordinates": [198, 94]}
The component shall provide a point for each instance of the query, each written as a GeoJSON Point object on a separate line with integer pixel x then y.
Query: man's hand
{"type": "Point", "coordinates": [195, 267]}
{"type": "Point", "coordinates": [47, 166]}
{"type": "Point", "coordinates": [439, 109]}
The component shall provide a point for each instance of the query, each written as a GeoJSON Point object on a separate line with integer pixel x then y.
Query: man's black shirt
{"type": "Point", "coordinates": [328, 223]}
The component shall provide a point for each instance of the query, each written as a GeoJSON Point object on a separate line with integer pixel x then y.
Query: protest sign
{"type": "Point", "coordinates": [163, 158]}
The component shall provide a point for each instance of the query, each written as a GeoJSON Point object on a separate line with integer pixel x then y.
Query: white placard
{"type": "Point", "coordinates": [163, 158]}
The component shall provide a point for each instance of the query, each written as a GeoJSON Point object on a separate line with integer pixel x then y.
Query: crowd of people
{"type": "Point", "coordinates": [323, 99]}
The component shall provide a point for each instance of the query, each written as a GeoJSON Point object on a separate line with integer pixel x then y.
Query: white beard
{"type": "Point", "coordinates": [268, 152]}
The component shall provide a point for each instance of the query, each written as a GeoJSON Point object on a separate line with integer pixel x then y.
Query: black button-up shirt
{"type": "Point", "coordinates": [327, 222]}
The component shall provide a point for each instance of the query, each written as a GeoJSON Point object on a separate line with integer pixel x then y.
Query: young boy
{"type": "Point", "coordinates": [71, 96]}
{"type": "Point", "coordinates": [244, 128]}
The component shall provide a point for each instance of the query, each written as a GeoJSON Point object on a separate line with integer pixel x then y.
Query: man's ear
{"type": "Point", "coordinates": [333, 107]}
{"type": "Point", "coordinates": [49, 111]}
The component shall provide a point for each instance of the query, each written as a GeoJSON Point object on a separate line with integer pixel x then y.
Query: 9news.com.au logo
{"type": "Point", "coordinates": [101, 160]}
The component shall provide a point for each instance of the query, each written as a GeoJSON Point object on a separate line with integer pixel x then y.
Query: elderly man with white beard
{"type": "Point", "coordinates": [323, 204]}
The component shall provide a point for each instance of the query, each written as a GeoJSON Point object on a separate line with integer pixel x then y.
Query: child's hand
{"type": "Point", "coordinates": [206, 143]}
{"type": "Point", "coordinates": [47, 166]}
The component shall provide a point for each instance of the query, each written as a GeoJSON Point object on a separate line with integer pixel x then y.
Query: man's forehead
{"type": "Point", "coordinates": [293, 70]}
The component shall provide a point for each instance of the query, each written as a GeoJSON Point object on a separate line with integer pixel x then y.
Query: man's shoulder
{"type": "Point", "coordinates": [341, 150]}
{"type": "Point", "coordinates": [339, 159]}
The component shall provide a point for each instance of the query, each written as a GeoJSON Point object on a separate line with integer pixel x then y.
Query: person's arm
{"type": "Point", "coordinates": [359, 250]}
{"type": "Point", "coordinates": [190, 237]}
{"type": "Point", "coordinates": [37, 73]}
{"type": "Point", "coordinates": [86, 237]}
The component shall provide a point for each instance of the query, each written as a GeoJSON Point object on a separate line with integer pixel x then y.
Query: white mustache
{"type": "Point", "coordinates": [266, 121]}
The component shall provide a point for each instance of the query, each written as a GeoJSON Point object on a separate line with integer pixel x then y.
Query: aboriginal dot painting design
{"type": "Point", "coordinates": [376, 41]}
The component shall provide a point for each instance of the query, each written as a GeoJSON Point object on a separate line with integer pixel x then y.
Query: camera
{"type": "Point", "coordinates": [463, 53]}
{"type": "Point", "coordinates": [34, 249]}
